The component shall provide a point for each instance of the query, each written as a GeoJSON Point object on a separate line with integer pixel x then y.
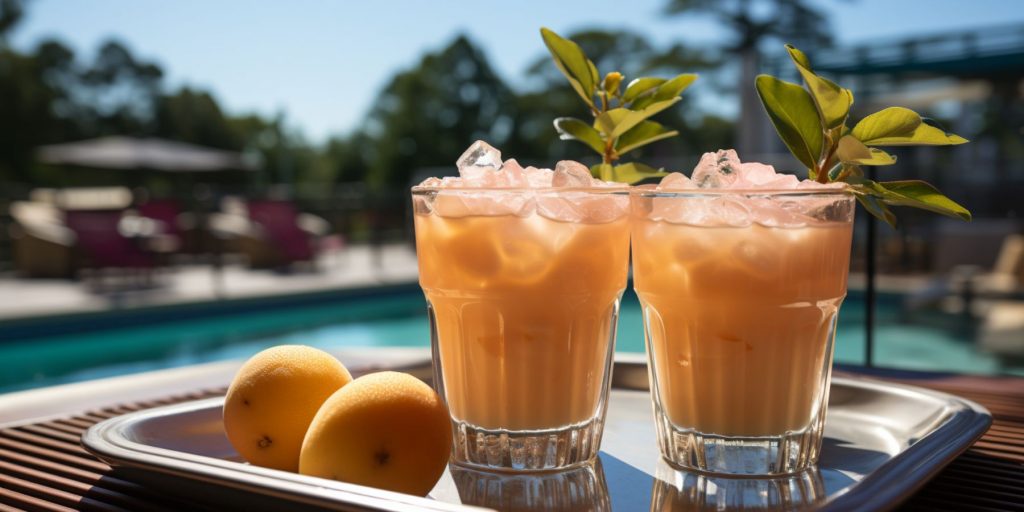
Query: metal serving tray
{"type": "Point", "coordinates": [882, 442]}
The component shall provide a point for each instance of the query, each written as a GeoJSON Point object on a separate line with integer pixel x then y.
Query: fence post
{"type": "Point", "coordinates": [869, 291]}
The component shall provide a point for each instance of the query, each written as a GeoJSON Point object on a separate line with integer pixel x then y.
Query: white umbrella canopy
{"type": "Point", "coordinates": [136, 153]}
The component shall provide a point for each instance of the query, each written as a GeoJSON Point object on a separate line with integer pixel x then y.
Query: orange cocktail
{"type": "Point", "coordinates": [739, 321]}
{"type": "Point", "coordinates": [740, 292]}
{"type": "Point", "coordinates": [523, 308]}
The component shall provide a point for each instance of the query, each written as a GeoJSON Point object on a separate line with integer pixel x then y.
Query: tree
{"type": "Point", "coordinates": [753, 22]}
{"type": "Point", "coordinates": [118, 92]}
{"type": "Point", "coordinates": [11, 13]}
{"type": "Point", "coordinates": [428, 115]}
{"type": "Point", "coordinates": [194, 116]}
{"type": "Point", "coordinates": [34, 105]}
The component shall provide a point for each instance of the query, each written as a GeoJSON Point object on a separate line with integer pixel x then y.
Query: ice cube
{"type": "Point", "coordinates": [778, 212]}
{"type": "Point", "coordinates": [676, 181]}
{"type": "Point", "coordinates": [510, 175]}
{"type": "Point", "coordinates": [559, 206]}
{"type": "Point", "coordinates": [757, 173]}
{"type": "Point", "coordinates": [602, 208]}
{"type": "Point", "coordinates": [760, 257]}
{"type": "Point", "coordinates": [512, 165]}
{"type": "Point", "coordinates": [480, 158]}
{"type": "Point", "coordinates": [539, 178]}
{"type": "Point", "coordinates": [452, 204]}
{"type": "Point", "coordinates": [571, 174]}
{"type": "Point", "coordinates": [717, 170]}
{"type": "Point", "coordinates": [781, 181]}
{"type": "Point", "coordinates": [728, 211]}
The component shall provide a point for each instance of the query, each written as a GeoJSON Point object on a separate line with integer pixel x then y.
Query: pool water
{"type": "Point", "coordinates": [400, 320]}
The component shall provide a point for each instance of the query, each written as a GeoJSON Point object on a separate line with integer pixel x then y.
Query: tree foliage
{"type": "Point", "coordinates": [431, 112]}
{"type": "Point", "coordinates": [424, 117]}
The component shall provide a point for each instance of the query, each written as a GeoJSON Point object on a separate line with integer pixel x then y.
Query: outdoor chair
{"type": "Point", "coordinates": [42, 245]}
{"type": "Point", "coordinates": [102, 246]}
{"type": "Point", "coordinates": [270, 233]}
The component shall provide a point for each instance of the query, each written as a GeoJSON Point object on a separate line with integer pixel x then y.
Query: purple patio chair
{"type": "Point", "coordinates": [101, 244]}
{"type": "Point", "coordinates": [166, 211]}
{"type": "Point", "coordinates": [279, 222]}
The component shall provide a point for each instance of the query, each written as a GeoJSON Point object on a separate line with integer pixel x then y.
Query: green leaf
{"type": "Point", "coordinates": [641, 135]}
{"type": "Point", "coordinates": [594, 75]}
{"type": "Point", "coordinates": [898, 126]}
{"type": "Point", "coordinates": [853, 151]}
{"type": "Point", "coordinates": [668, 90]}
{"type": "Point", "coordinates": [571, 61]}
{"type": "Point", "coordinates": [832, 101]}
{"type": "Point", "coordinates": [634, 171]}
{"type": "Point", "coordinates": [617, 121]}
{"type": "Point", "coordinates": [607, 121]}
{"type": "Point", "coordinates": [876, 207]}
{"type": "Point", "coordinates": [641, 86]}
{"type": "Point", "coordinates": [602, 171]}
{"type": "Point", "coordinates": [794, 116]}
{"type": "Point", "coordinates": [570, 128]}
{"type": "Point", "coordinates": [886, 123]}
{"type": "Point", "coordinates": [920, 194]}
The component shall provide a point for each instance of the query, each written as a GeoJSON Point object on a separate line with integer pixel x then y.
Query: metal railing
{"type": "Point", "coordinates": [1004, 44]}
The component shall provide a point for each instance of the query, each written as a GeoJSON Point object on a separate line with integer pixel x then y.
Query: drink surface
{"type": "Point", "coordinates": [523, 308]}
{"type": "Point", "coordinates": [739, 320]}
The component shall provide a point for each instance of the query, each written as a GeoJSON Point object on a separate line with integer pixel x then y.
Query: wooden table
{"type": "Point", "coordinates": [43, 467]}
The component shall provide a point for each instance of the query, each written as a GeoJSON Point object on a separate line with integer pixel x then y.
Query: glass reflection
{"type": "Point", "coordinates": [582, 489]}
{"type": "Point", "coordinates": [683, 490]}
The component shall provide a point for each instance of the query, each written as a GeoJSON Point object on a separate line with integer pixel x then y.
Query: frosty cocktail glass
{"type": "Point", "coordinates": [740, 293]}
{"type": "Point", "coordinates": [523, 289]}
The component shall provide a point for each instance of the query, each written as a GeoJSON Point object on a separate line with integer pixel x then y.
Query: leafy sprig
{"type": "Point", "coordinates": [621, 115]}
{"type": "Point", "coordinates": [812, 122]}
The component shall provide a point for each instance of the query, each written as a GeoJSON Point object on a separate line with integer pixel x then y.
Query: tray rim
{"type": "Point", "coordinates": [882, 489]}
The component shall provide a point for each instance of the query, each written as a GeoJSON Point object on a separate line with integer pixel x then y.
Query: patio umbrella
{"type": "Point", "coordinates": [150, 154]}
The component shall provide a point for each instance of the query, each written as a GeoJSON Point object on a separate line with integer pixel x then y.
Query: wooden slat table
{"type": "Point", "coordinates": [43, 467]}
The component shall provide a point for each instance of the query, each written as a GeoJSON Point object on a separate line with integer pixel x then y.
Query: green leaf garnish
{"type": "Point", "coordinates": [571, 61]}
{"type": "Point", "coordinates": [853, 151]}
{"type": "Point", "coordinates": [898, 126]}
{"type": "Point", "coordinates": [668, 90]}
{"type": "Point", "coordinates": [641, 86]}
{"type": "Point", "coordinates": [621, 117]}
{"type": "Point", "coordinates": [915, 193]}
{"type": "Point", "coordinates": [832, 102]}
{"type": "Point", "coordinates": [890, 123]}
{"type": "Point", "coordinates": [625, 119]}
{"type": "Point", "coordinates": [603, 171]}
{"type": "Point", "coordinates": [812, 122]}
{"type": "Point", "coordinates": [641, 135]}
{"type": "Point", "coordinates": [794, 116]}
{"type": "Point", "coordinates": [876, 207]}
{"type": "Point", "coordinates": [634, 172]}
{"type": "Point", "coordinates": [570, 128]}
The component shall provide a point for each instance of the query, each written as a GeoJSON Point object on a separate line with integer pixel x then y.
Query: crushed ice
{"type": "Point", "coordinates": [723, 170]}
{"type": "Point", "coordinates": [481, 167]}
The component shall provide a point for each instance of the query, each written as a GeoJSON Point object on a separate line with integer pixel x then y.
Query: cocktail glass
{"type": "Point", "coordinates": [740, 293]}
{"type": "Point", "coordinates": [523, 289]}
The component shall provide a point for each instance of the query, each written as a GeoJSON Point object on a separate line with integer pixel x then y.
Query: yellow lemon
{"type": "Point", "coordinates": [386, 430]}
{"type": "Point", "coordinates": [274, 397]}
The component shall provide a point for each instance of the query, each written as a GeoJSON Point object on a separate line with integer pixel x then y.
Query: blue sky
{"type": "Point", "coordinates": [323, 62]}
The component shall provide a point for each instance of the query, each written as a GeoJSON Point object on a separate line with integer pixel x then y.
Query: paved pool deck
{"type": "Point", "coordinates": [356, 267]}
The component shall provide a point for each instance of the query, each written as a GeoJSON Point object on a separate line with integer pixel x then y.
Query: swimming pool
{"type": "Point", "coordinates": [398, 318]}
